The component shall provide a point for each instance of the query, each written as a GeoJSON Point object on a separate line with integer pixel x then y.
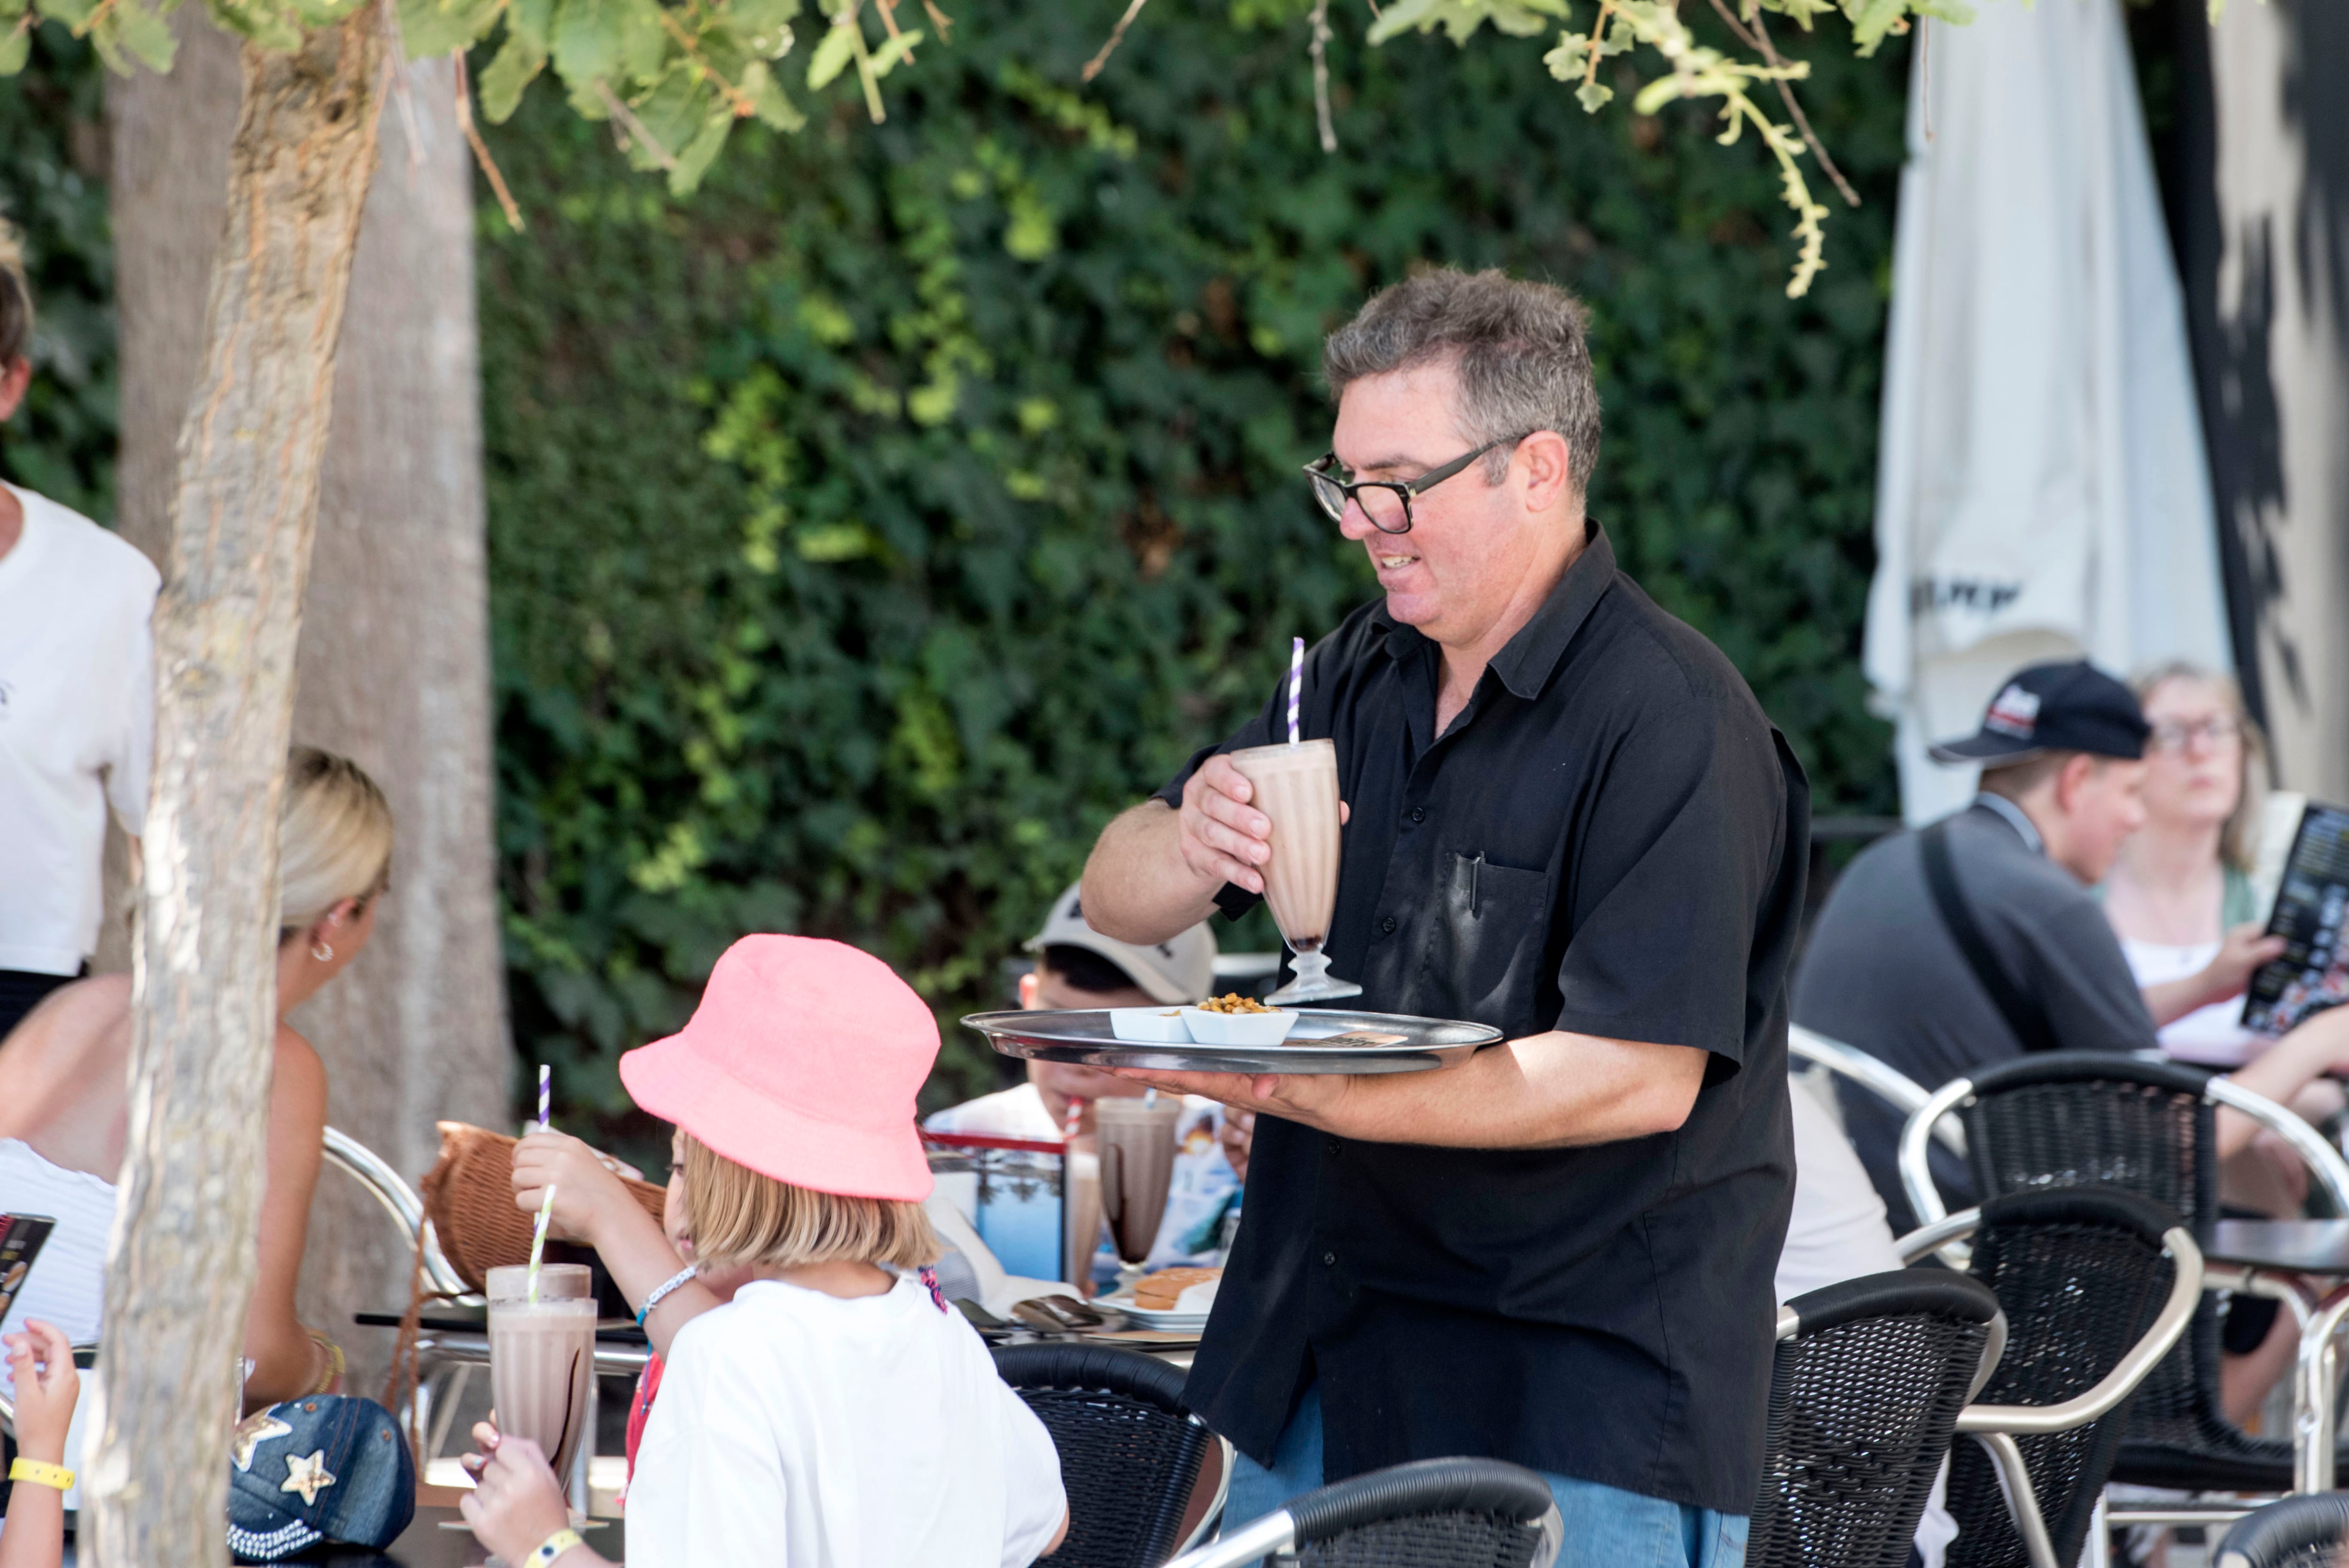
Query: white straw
{"type": "Point", "coordinates": [1296, 683]}
{"type": "Point", "coordinates": [538, 1242]}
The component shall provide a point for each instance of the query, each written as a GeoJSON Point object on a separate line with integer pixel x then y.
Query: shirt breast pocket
{"type": "Point", "coordinates": [1484, 955]}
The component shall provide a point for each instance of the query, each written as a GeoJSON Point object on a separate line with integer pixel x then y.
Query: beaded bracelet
{"type": "Point", "coordinates": [40, 1473]}
{"type": "Point", "coordinates": [660, 1292]}
{"type": "Point", "coordinates": [552, 1547]}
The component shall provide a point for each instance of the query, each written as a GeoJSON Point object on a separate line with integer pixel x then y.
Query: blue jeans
{"type": "Point", "coordinates": [1605, 1527]}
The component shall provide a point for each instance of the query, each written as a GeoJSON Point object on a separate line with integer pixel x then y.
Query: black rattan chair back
{"type": "Point", "coordinates": [1130, 1449]}
{"type": "Point", "coordinates": [2085, 1119]}
{"type": "Point", "coordinates": [2088, 1119]}
{"type": "Point", "coordinates": [2082, 1274]}
{"type": "Point", "coordinates": [1863, 1397]}
{"type": "Point", "coordinates": [2305, 1532]}
{"type": "Point", "coordinates": [1431, 1513]}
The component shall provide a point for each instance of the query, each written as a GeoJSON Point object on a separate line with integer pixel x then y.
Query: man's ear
{"type": "Point", "coordinates": [2073, 778]}
{"type": "Point", "coordinates": [1546, 463]}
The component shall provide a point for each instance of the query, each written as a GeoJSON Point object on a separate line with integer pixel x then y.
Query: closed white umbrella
{"type": "Point", "coordinates": [2041, 489]}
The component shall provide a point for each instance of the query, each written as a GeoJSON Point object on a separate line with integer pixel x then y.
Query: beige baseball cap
{"type": "Point", "coordinates": [1181, 969]}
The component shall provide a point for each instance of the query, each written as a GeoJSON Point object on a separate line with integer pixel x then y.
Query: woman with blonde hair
{"type": "Point", "coordinates": [64, 1088]}
{"type": "Point", "coordinates": [835, 1413]}
{"type": "Point", "coordinates": [2180, 894]}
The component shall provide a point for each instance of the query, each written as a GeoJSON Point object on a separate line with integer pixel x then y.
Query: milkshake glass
{"type": "Point", "coordinates": [1297, 786]}
{"type": "Point", "coordinates": [1136, 1138]}
{"type": "Point", "coordinates": [543, 1357]}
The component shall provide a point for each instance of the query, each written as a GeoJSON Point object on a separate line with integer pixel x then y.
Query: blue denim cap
{"type": "Point", "coordinates": [327, 1468]}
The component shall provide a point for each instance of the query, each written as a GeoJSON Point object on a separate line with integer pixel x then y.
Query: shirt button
{"type": "Point", "coordinates": [1328, 1260]}
{"type": "Point", "coordinates": [1388, 926]}
{"type": "Point", "coordinates": [1336, 1147]}
{"type": "Point", "coordinates": [1419, 813]}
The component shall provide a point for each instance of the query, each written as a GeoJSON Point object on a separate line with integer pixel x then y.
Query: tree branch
{"type": "Point", "coordinates": [1117, 35]}
{"type": "Point", "coordinates": [1758, 41]}
{"type": "Point", "coordinates": [1322, 75]}
{"type": "Point", "coordinates": [480, 148]}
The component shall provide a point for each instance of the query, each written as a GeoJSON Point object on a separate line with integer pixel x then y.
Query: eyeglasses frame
{"type": "Point", "coordinates": [1319, 472]}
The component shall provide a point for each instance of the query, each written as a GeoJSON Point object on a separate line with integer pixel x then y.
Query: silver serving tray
{"type": "Point", "coordinates": [1395, 1042]}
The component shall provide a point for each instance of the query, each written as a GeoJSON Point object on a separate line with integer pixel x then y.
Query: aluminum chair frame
{"type": "Point", "coordinates": [1995, 1427]}
{"type": "Point", "coordinates": [2316, 1375]}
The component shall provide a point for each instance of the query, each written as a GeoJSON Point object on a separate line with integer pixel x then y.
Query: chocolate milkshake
{"type": "Point", "coordinates": [1136, 1138]}
{"type": "Point", "coordinates": [1297, 786]}
{"type": "Point", "coordinates": [542, 1355]}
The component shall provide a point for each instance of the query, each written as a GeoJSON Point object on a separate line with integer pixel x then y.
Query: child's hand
{"type": "Point", "coordinates": [40, 1359]}
{"type": "Point", "coordinates": [587, 1185]}
{"type": "Point", "coordinates": [517, 1503]}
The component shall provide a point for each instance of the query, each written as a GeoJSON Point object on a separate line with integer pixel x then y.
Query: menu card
{"type": "Point", "coordinates": [2310, 901]}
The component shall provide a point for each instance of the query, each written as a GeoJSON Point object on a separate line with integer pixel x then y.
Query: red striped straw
{"type": "Point", "coordinates": [1295, 684]}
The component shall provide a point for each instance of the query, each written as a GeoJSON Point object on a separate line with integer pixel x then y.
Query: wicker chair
{"type": "Point", "coordinates": [1869, 1377]}
{"type": "Point", "coordinates": [2298, 1533]}
{"type": "Point", "coordinates": [1130, 1449]}
{"type": "Point", "coordinates": [1430, 1513]}
{"type": "Point", "coordinates": [2081, 1119]}
{"type": "Point", "coordinates": [2097, 1284]}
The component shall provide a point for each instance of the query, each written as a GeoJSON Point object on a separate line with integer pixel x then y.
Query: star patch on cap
{"type": "Point", "coordinates": [254, 1431]}
{"type": "Point", "coordinates": [307, 1476]}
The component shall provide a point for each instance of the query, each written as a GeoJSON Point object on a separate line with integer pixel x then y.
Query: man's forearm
{"type": "Point", "coordinates": [1136, 886]}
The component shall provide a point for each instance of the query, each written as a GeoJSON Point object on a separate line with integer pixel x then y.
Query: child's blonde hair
{"type": "Point", "coordinates": [739, 1217]}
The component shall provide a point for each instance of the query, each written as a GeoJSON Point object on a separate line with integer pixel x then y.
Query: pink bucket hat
{"type": "Point", "coordinates": [802, 1063]}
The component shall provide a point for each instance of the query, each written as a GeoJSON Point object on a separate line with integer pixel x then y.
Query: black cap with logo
{"type": "Point", "coordinates": [2055, 707]}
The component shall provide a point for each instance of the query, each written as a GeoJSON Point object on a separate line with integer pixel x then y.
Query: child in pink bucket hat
{"type": "Point", "coordinates": [834, 1414]}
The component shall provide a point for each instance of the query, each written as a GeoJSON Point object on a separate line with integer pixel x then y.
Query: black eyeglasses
{"type": "Point", "coordinates": [1386, 502]}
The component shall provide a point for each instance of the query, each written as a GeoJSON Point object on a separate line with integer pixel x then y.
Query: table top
{"type": "Point", "coordinates": [2294, 1246]}
{"type": "Point", "coordinates": [425, 1544]}
{"type": "Point", "coordinates": [476, 1320]}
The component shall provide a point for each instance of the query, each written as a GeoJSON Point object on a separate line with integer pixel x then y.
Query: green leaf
{"type": "Point", "coordinates": [1401, 17]}
{"type": "Point", "coordinates": [643, 41]}
{"type": "Point", "coordinates": [768, 99]}
{"type": "Point", "coordinates": [702, 151]}
{"type": "Point", "coordinates": [145, 34]}
{"type": "Point", "coordinates": [763, 27]}
{"type": "Point", "coordinates": [885, 57]}
{"type": "Point", "coordinates": [532, 20]}
{"type": "Point", "coordinates": [15, 49]}
{"type": "Point", "coordinates": [588, 37]}
{"type": "Point", "coordinates": [429, 28]}
{"type": "Point", "coordinates": [831, 56]}
{"type": "Point", "coordinates": [517, 64]}
{"type": "Point", "coordinates": [1593, 96]}
{"type": "Point", "coordinates": [671, 112]}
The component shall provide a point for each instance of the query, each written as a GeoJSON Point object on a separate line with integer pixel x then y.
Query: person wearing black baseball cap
{"type": "Point", "coordinates": [1943, 951]}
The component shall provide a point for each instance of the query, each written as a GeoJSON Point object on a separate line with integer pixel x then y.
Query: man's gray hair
{"type": "Point", "coordinates": [1517, 348]}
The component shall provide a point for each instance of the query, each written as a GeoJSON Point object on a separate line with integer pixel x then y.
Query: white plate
{"type": "Point", "coordinates": [1157, 1025]}
{"type": "Point", "coordinates": [1149, 1317]}
{"type": "Point", "coordinates": [1238, 1028]}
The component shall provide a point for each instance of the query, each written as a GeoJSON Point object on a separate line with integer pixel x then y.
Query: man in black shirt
{"type": "Point", "coordinates": [1568, 819]}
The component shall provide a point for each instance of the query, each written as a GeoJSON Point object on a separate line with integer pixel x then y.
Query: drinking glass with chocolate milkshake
{"type": "Point", "coordinates": [1296, 785]}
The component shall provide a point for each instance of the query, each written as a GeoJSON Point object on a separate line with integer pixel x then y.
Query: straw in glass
{"type": "Point", "coordinates": [538, 1244]}
{"type": "Point", "coordinates": [1296, 683]}
{"type": "Point", "coordinates": [544, 1074]}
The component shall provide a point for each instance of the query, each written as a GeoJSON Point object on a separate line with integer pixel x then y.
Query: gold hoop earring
{"type": "Point", "coordinates": [321, 952]}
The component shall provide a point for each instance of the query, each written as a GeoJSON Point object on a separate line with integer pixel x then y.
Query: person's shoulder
{"type": "Point", "coordinates": [297, 1069]}
{"type": "Point", "coordinates": [1014, 1112]}
{"type": "Point", "coordinates": [1682, 668]}
{"type": "Point", "coordinates": [71, 1021]}
{"type": "Point", "coordinates": [95, 557]}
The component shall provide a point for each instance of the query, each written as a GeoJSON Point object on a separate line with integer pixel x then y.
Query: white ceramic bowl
{"type": "Point", "coordinates": [1160, 1025]}
{"type": "Point", "coordinates": [1239, 1028]}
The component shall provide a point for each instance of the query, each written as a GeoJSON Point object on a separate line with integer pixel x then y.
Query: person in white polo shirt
{"type": "Point", "coordinates": [77, 702]}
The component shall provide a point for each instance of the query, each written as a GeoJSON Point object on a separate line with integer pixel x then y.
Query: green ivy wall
{"type": "Point", "coordinates": [869, 527]}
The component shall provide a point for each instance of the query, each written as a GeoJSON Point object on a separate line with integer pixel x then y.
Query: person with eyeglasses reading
{"type": "Point", "coordinates": [1565, 817]}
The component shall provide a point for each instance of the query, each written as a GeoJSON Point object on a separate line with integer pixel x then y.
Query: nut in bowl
{"type": "Point", "coordinates": [1237, 1022]}
{"type": "Point", "coordinates": [1161, 1026]}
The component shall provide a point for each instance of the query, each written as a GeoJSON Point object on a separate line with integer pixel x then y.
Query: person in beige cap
{"type": "Point", "coordinates": [1077, 967]}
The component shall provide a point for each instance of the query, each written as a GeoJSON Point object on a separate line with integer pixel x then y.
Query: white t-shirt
{"type": "Point", "coordinates": [1201, 1190]}
{"type": "Point", "coordinates": [2212, 1035]}
{"type": "Point", "coordinates": [796, 1429]}
{"type": "Point", "coordinates": [1838, 1230]}
{"type": "Point", "coordinates": [76, 726]}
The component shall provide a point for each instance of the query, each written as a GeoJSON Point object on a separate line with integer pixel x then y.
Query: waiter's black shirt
{"type": "Point", "coordinates": [1610, 839]}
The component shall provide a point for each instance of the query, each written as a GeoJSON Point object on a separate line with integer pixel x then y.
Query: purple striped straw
{"type": "Point", "coordinates": [544, 1073]}
{"type": "Point", "coordinates": [1295, 684]}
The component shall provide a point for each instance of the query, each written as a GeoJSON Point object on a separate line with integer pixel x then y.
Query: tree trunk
{"type": "Point", "coordinates": [180, 1267]}
{"type": "Point", "coordinates": [394, 659]}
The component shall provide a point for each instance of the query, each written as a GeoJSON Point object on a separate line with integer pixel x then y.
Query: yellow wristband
{"type": "Point", "coordinates": [552, 1547]}
{"type": "Point", "coordinates": [40, 1473]}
